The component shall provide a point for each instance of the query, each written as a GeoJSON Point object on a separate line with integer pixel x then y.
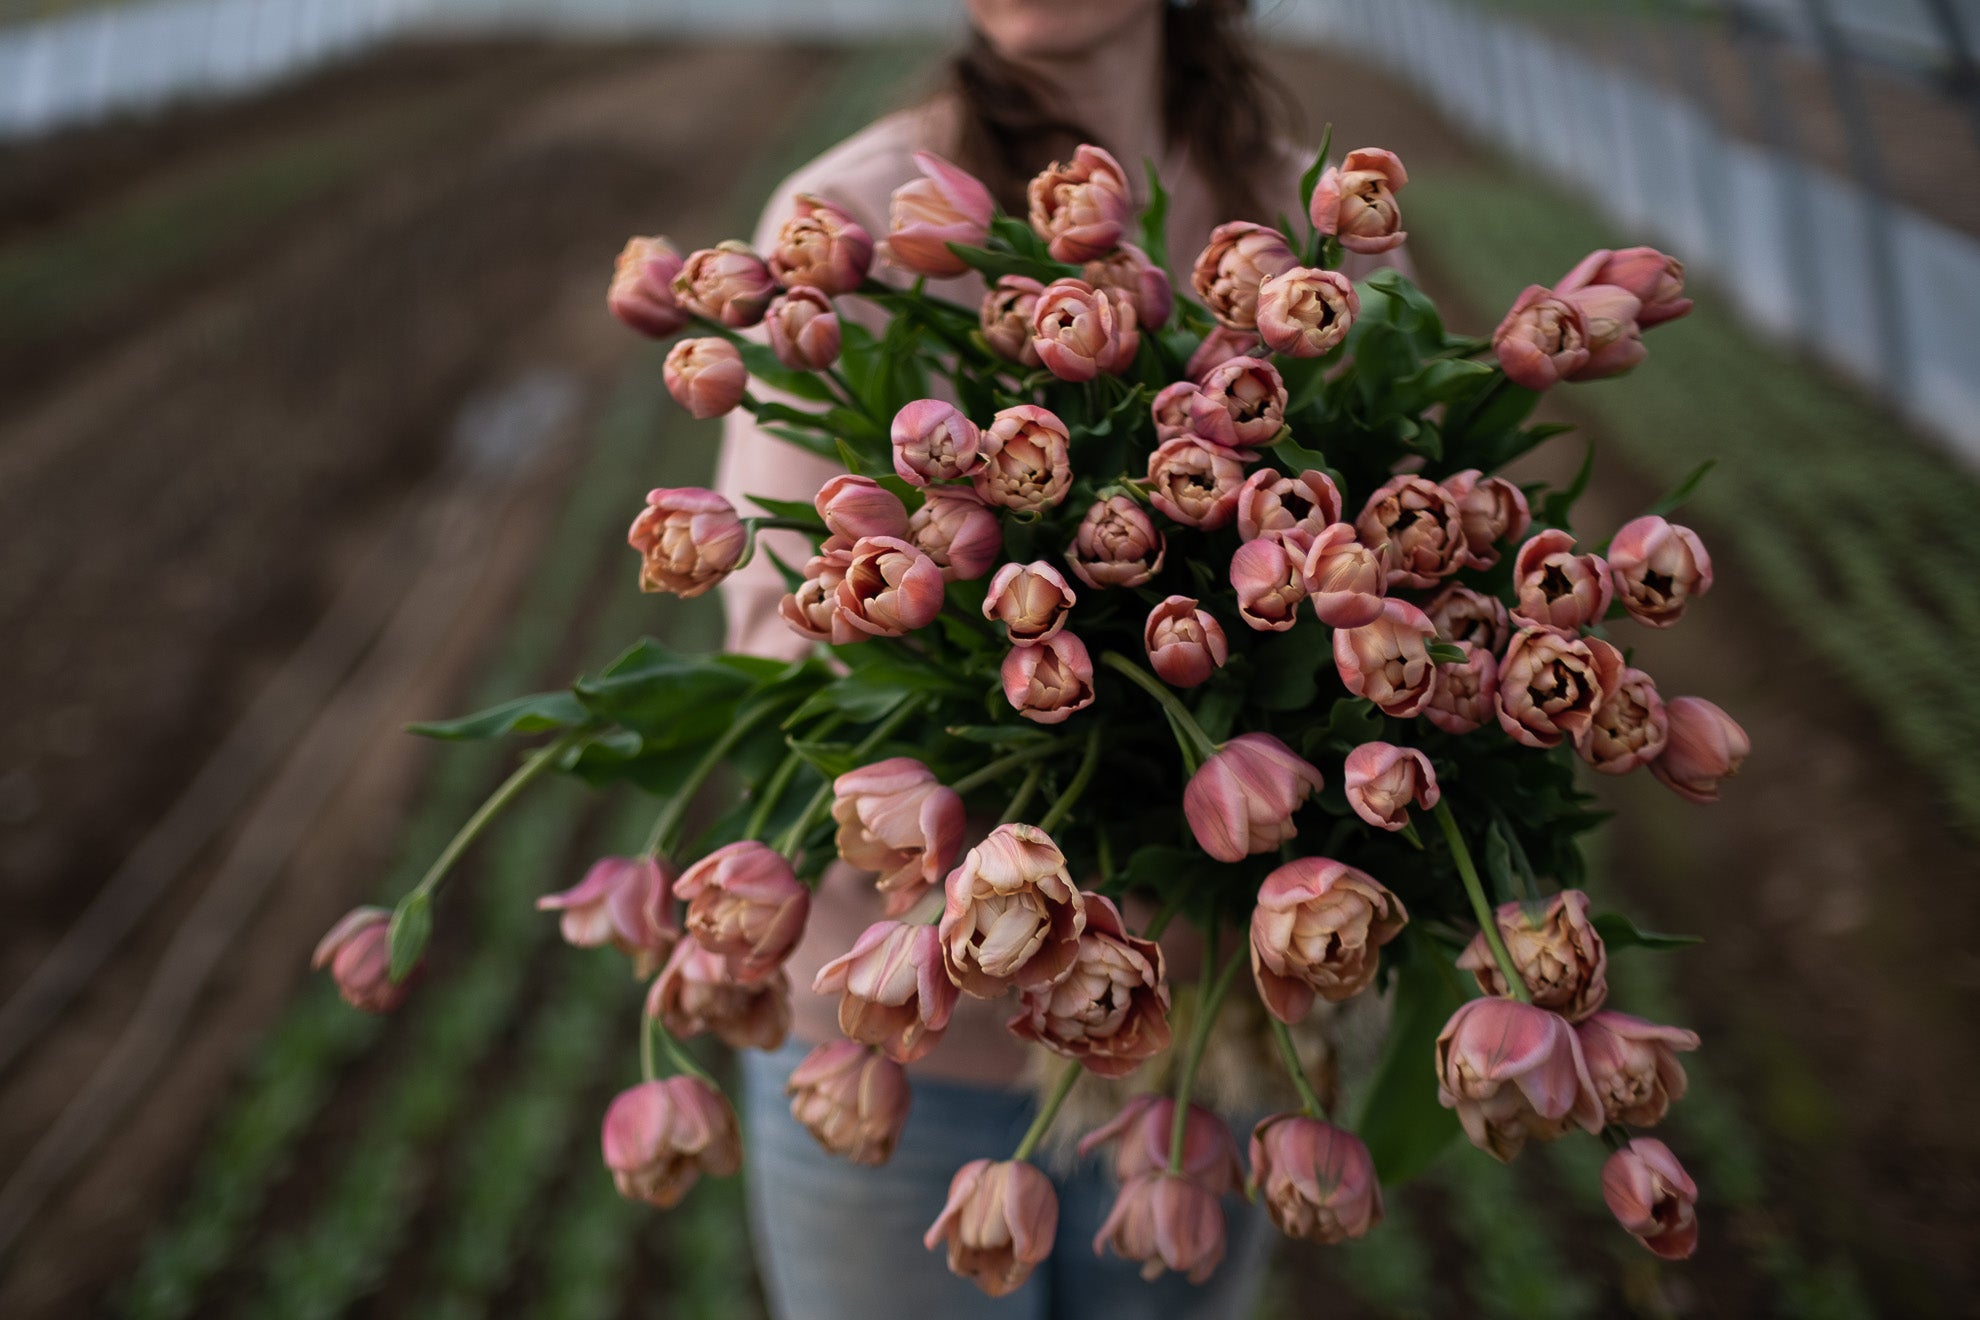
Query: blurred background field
{"type": "Point", "coordinates": [312, 423]}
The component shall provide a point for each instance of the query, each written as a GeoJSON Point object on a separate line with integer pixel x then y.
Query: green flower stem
{"type": "Point", "coordinates": [1197, 747]}
{"type": "Point", "coordinates": [1022, 798]}
{"type": "Point", "coordinates": [648, 1069]}
{"type": "Point", "coordinates": [532, 769]}
{"type": "Point", "coordinates": [1209, 999]}
{"type": "Point", "coordinates": [1081, 777]}
{"type": "Point", "coordinates": [802, 824]}
{"type": "Point", "coordinates": [660, 839]}
{"type": "Point", "coordinates": [1003, 765]}
{"type": "Point", "coordinates": [1487, 922]}
{"type": "Point", "coordinates": [1043, 1123]}
{"type": "Point", "coordinates": [780, 779]}
{"type": "Point", "coordinates": [679, 1057]}
{"type": "Point", "coordinates": [1308, 1098]}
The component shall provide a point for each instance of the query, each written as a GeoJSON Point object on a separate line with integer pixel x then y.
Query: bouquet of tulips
{"type": "Point", "coordinates": [1102, 549]}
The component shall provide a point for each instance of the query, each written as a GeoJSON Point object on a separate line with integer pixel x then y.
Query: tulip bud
{"type": "Point", "coordinates": [1630, 726]}
{"type": "Point", "coordinates": [1513, 1072]}
{"type": "Point", "coordinates": [1080, 209]}
{"type": "Point", "coordinates": [1653, 1198]}
{"type": "Point", "coordinates": [1634, 1066]}
{"type": "Point", "coordinates": [1111, 1012]}
{"type": "Point", "coordinates": [726, 283]}
{"type": "Point", "coordinates": [1267, 578]}
{"type": "Point", "coordinates": [933, 441]}
{"type": "Point", "coordinates": [1195, 482]}
{"type": "Point", "coordinates": [1615, 342]}
{"type": "Point", "coordinates": [1241, 256]}
{"type": "Point", "coordinates": [705, 376]}
{"type": "Point", "coordinates": [642, 292]}
{"type": "Point", "coordinates": [1080, 332]}
{"type": "Point", "coordinates": [1012, 916]}
{"type": "Point", "coordinates": [946, 205]}
{"type": "Point", "coordinates": [627, 902]}
{"type": "Point", "coordinates": [1462, 615]}
{"type": "Point", "coordinates": [854, 507]}
{"type": "Point", "coordinates": [1145, 1125]}
{"type": "Point", "coordinates": [1167, 1222]}
{"type": "Point", "coordinates": [358, 952]}
{"type": "Point", "coordinates": [1356, 201]}
{"type": "Point", "coordinates": [1491, 510]}
{"type": "Point", "coordinates": [1542, 341]}
{"type": "Point", "coordinates": [1551, 683]}
{"type": "Point", "coordinates": [821, 247]}
{"type": "Point", "coordinates": [1416, 529]}
{"type": "Point", "coordinates": [1296, 508]}
{"type": "Point", "coordinates": [893, 989]}
{"type": "Point", "coordinates": [955, 529]}
{"type": "Point", "coordinates": [695, 993]}
{"type": "Point", "coordinates": [1382, 779]}
{"type": "Point", "coordinates": [1006, 318]}
{"type": "Point", "coordinates": [1554, 947]}
{"type": "Point", "coordinates": [1242, 799]}
{"type": "Point", "coordinates": [808, 610]}
{"type": "Point", "coordinates": [688, 540]}
{"type": "Point", "coordinates": [1031, 600]}
{"type": "Point", "coordinates": [1185, 644]}
{"type": "Point", "coordinates": [1343, 578]}
{"type": "Point", "coordinates": [895, 818]}
{"type": "Point", "coordinates": [1704, 746]}
{"type": "Point", "coordinates": [1239, 403]}
{"type": "Point", "coordinates": [1218, 347]}
{"type": "Point", "coordinates": [1467, 694]}
{"type": "Point", "coordinates": [1657, 568]}
{"type": "Point", "coordinates": [1116, 545]}
{"type": "Point", "coordinates": [1388, 661]}
{"type": "Point", "coordinates": [1655, 279]}
{"type": "Point", "coordinates": [1558, 588]}
{"type": "Point", "coordinates": [1027, 465]}
{"type": "Point", "coordinates": [854, 1100]}
{"type": "Point", "coordinates": [659, 1137]}
{"type": "Point", "coordinates": [1317, 1181]}
{"type": "Point", "coordinates": [890, 589]}
{"type": "Point", "coordinates": [1049, 682]}
{"type": "Point", "coordinates": [999, 1223]}
{"type": "Point", "coordinates": [745, 904]}
{"type": "Point", "coordinates": [1306, 312]}
{"type": "Point", "coordinates": [1171, 409]}
{"type": "Point", "coordinates": [1143, 283]}
{"type": "Point", "coordinates": [1316, 931]}
{"type": "Point", "coordinates": [804, 329]}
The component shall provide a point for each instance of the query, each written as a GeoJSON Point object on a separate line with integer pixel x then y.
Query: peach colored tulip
{"type": "Point", "coordinates": [695, 993]}
{"type": "Point", "coordinates": [1241, 800]}
{"type": "Point", "coordinates": [1051, 681]}
{"type": "Point", "coordinates": [821, 247]}
{"type": "Point", "coordinates": [1316, 931]}
{"type": "Point", "coordinates": [1542, 341]}
{"type": "Point", "coordinates": [1551, 683]}
{"type": "Point", "coordinates": [1080, 209]}
{"type": "Point", "coordinates": [1656, 280]}
{"type": "Point", "coordinates": [1116, 545]}
{"type": "Point", "coordinates": [1268, 580]}
{"type": "Point", "coordinates": [659, 1137]}
{"type": "Point", "coordinates": [1111, 1012]}
{"type": "Point", "coordinates": [1558, 588]}
{"type": "Point", "coordinates": [1296, 508]}
{"type": "Point", "coordinates": [1657, 568]}
{"type": "Point", "coordinates": [1081, 332]}
{"type": "Point", "coordinates": [705, 376]}
{"type": "Point", "coordinates": [1417, 530]}
{"type": "Point", "coordinates": [1317, 1181]}
{"type": "Point", "coordinates": [1634, 1066]}
{"type": "Point", "coordinates": [1467, 694]}
{"type": "Point", "coordinates": [1343, 578]}
{"type": "Point", "coordinates": [1143, 283]}
{"type": "Point", "coordinates": [933, 441]}
{"type": "Point", "coordinates": [1032, 601]}
{"type": "Point", "coordinates": [1388, 661]}
{"type": "Point", "coordinates": [1513, 1072]}
{"type": "Point", "coordinates": [900, 822]}
{"type": "Point", "coordinates": [1463, 615]}
{"type": "Point", "coordinates": [854, 507]}
{"type": "Point", "coordinates": [808, 610]}
{"type": "Point", "coordinates": [999, 1223]}
{"type": "Point", "coordinates": [1615, 341]}
{"type": "Point", "coordinates": [893, 989]}
{"type": "Point", "coordinates": [946, 205]}
{"type": "Point", "coordinates": [804, 329]}
{"type": "Point", "coordinates": [1027, 464]}
{"type": "Point", "coordinates": [1555, 947]}
{"type": "Point", "coordinates": [1218, 347]}
{"type": "Point", "coordinates": [745, 904]}
{"type": "Point", "coordinates": [1185, 644]}
{"type": "Point", "coordinates": [688, 540]}
{"type": "Point", "coordinates": [1240, 257]}
{"type": "Point", "coordinates": [1382, 780]}
{"type": "Point", "coordinates": [1012, 916]}
{"type": "Point", "coordinates": [1195, 482]}
{"type": "Point", "coordinates": [890, 589]}
{"type": "Point", "coordinates": [1305, 312]}
{"type": "Point", "coordinates": [642, 292]}
{"type": "Point", "coordinates": [1630, 727]}
{"type": "Point", "coordinates": [1006, 318]}
{"type": "Point", "coordinates": [1705, 746]}
{"type": "Point", "coordinates": [1166, 1222]}
{"type": "Point", "coordinates": [627, 902]}
{"type": "Point", "coordinates": [358, 952]}
{"type": "Point", "coordinates": [726, 283]}
{"type": "Point", "coordinates": [1356, 201]}
{"type": "Point", "coordinates": [1653, 1198]}
{"type": "Point", "coordinates": [852, 1099]}
{"type": "Point", "coordinates": [1491, 510]}
{"type": "Point", "coordinates": [954, 528]}
{"type": "Point", "coordinates": [1239, 404]}
{"type": "Point", "coordinates": [1144, 1126]}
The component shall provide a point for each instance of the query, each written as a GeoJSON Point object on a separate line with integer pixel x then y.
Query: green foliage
{"type": "Point", "coordinates": [1400, 1119]}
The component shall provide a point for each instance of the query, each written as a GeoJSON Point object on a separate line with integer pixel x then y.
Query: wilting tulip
{"type": "Point", "coordinates": [1615, 341]}
{"type": "Point", "coordinates": [1657, 568]}
{"type": "Point", "coordinates": [899, 821]}
{"type": "Point", "coordinates": [1296, 508]}
{"type": "Point", "coordinates": [1081, 332]}
{"type": "Point", "coordinates": [1306, 312]}
{"type": "Point", "coordinates": [1705, 746]}
{"type": "Point", "coordinates": [745, 904]}
{"type": "Point", "coordinates": [688, 540]}
{"type": "Point", "coordinates": [1167, 1222]}
{"type": "Point", "coordinates": [659, 1137]}
{"type": "Point", "coordinates": [642, 292]}
{"type": "Point", "coordinates": [854, 1100]}
{"type": "Point", "coordinates": [1656, 280]}
{"type": "Point", "coordinates": [890, 589]}
{"type": "Point", "coordinates": [1242, 799]}
{"type": "Point", "coordinates": [1143, 283]}
{"type": "Point", "coordinates": [1080, 208]}
{"type": "Point", "coordinates": [1185, 644]}
{"type": "Point", "coordinates": [1241, 256]}
{"type": "Point", "coordinates": [1051, 681]}
{"type": "Point", "coordinates": [358, 952]}
{"type": "Point", "coordinates": [804, 329]}
{"type": "Point", "coordinates": [1317, 1181]}
{"type": "Point", "coordinates": [1012, 916]}
{"type": "Point", "coordinates": [1218, 347]}
{"type": "Point", "coordinates": [999, 1223]}
{"type": "Point", "coordinates": [1006, 318]}
{"type": "Point", "coordinates": [1513, 1071]}
{"type": "Point", "coordinates": [1032, 601]}
{"type": "Point", "coordinates": [1630, 727]}
{"type": "Point", "coordinates": [1195, 482]}
{"type": "Point", "coordinates": [1240, 403]}
{"type": "Point", "coordinates": [854, 507]}
{"type": "Point", "coordinates": [1027, 464]}
{"type": "Point", "coordinates": [1491, 510]}
{"type": "Point", "coordinates": [1171, 409]}
{"type": "Point", "coordinates": [1467, 694]}
{"type": "Point", "coordinates": [1382, 780]}
{"type": "Point", "coordinates": [1634, 1066]}
{"type": "Point", "coordinates": [1316, 931]}
{"type": "Point", "coordinates": [726, 283]}
{"type": "Point", "coordinates": [1388, 661]}
{"type": "Point", "coordinates": [1356, 201]}
{"type": "Point", "coordinates": [705, 376]}
{"type": "Point", "coordinates": [1551, 683]}
{"type": "Point", "coordinates": [1463, 615]}
{"type": "Point", "coordinates": [1558, 588]}
{"type": "Point", "coordinates": [808, 610]}
{"type": "Point", "coordinates": [1145, 1125]}
{"type": "Point", "coordinates": [946, 205]}
{"type": "Point", "coordinates": [1556, 950]}
{"type": "Point", "coordinates": [933, 441]}
{"type": "Point", "coordinates": [1652, 1197]}
{"type": "Point", "coordinates": [1111, 1012]}
{"type": "Point", "coordinates": [695, 993]}
{"type": "Point", "coordinates": [1542, 341]}
{"type": "Point", "coordinates": [1116, 545]}
{"type": "Point", "coordinates": [821, 247]}
{"type": "Point", "coordinates": [1343, 578]}
{"type": "Point", "coordinates": [893, 990]}
{"type": "Point", "coordinates": [955, 529]}
{"type": "Point", "coordinates": [627, 902]}
{"type": "Point", "coordinates": [1415, 527]}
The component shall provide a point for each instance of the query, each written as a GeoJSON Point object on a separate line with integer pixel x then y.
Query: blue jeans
{"type": "Point", "coordinates": [835, 1241]}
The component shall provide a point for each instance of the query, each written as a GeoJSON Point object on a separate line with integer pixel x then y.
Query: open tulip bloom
{"type": "Point", "coordinates": [1199, 576]}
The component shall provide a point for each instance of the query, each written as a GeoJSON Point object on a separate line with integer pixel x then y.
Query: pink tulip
{"type": "Point", "coordinates": [1051, 681]}
{"type": "Point", "coordinates": [1240, 257]}
{"type": "Point", "coordinates": [933, 441]}
{"type": "Point", "coordinates": [1027, 460]}
{"type": "Point", "coordinates": [808, 610]}
{"type": "Point", "coordinates": [1657, 568]}
{"type": "Point", "coordinates": [893, 990]}
{"type": "Point", "coordinates": [358, 952]}
{"type": "Point", "coordinates": [1551, 683]}
{"type": "Point", "coordinates": [854, 507]}
{"type": "Point", "coordinates": [821, 247]}
{"type": "Point", "coordinates": [1615, 341]}
{"type": "Point", "coordinates": [1316, 931]}
{"type": "Point", "coordinates": [1558, 588]}
{"type": "Point", "coordinates": [1388, 661]}
{"type": "Point", "coordinates": [726, 283]}
{"type": "Point", "coordinates": [1356, 201]}
{"type": "Point", "coordinates": [1111, 1012]}
{"type": "Point", "coordinates": [1218, 347]}
{"type": "Point", "coordinates": [1556, 951]}
{"type": "Point", "coordinates": [852, 1099]}
{"type": "Point", "coordinates": [1012, 916]}
{"type": "Point", "coordinates": [1296, 508]}
{"type": "Point", "coordinates": [642, 292]}
{"type": "Point", "coordinates": [1634, 1066]}
{"type": "Point", "coordinates": [1116, 545]}
{"type": "Point", "coordinates": [1143, 283]}
{"type": "Point", "coordinates": [1343, 578]}
{"type": "Point", "coordinates": [804, 329]}
{"type": "Point", "coordinates": [745, 904]}
{"type": "Point", "coordinates": [1268, 580]}
{"type": "Point", "coordinates": [1467, 694]}
{"type": "Point", "coordinates": [955, 529]}
{"type": "Point", "coordinates": [1006, 318]}
{"type": "Point", "coordinates": [1242, 799]}
{"type": "Point", "coordinates": [1656, 280]}
{"type": "Point", "coordinates": [890, 589]}
{"type": "Point", "coordinates": [1032, 601]}
{"type": "Point", "coordinates": [1080, 209]}
{"type": "Point", "coordinates": [627, 902]}
{"type": "Point", "coordinates": [1185, 644]}
{"type": "Point", "coordinates": [946, 205]}
{"type": "Point", "coordinates": [1653, 1198]}
{"type": "Point", "coordinates": [999, 1223]}
{"type": "Point", "coordinates": [1196, 482]}
{"type": "Point", "coordinates": [659, 1137]}
{"type": "Point", "coordinates": [695, 993]}
{"type": "Point", "coordinates": [1166, 1222]}
{"type": "Point", "coordinates": [1239, 404]}
{"type": "Point", "coordinates": [1382, 780]}
{"type": "Point", "coordinates": [1542, 341]}
{"type": "Point", "coordinates": [1491, 510]}
{"type": "Point", "coordinates": [1705, 746]}
{"type": "Point", "coordinates": [688, 540]}
{"type": "Point", "coordinates": [1630, 726]}
{"type": "Point", "coordinates": [1144, 1126]}
{"type": "Point", "coordinates": [1172, 410]}
{"type": "Point", "coordinates": [705, 376]}
{"type": "Point", "coordinates": [897, 820]}
{"type": "Point", "coordinates": [1317, 1181]}
{"type": "Point", "coordinates": [1463, 615]}
{"type": "Point", "coordinates": [1306, 312]}
{"type": "Point", "coordinates": [1513, 1072]}
{"type": "Point", "coordinates": [1417, 530]}
{"type": "Point", "coordinates": [1081, 332]}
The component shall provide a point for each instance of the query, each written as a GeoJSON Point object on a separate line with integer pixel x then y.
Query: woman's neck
{"type": "Point", "coordinates": [1114, 90]}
